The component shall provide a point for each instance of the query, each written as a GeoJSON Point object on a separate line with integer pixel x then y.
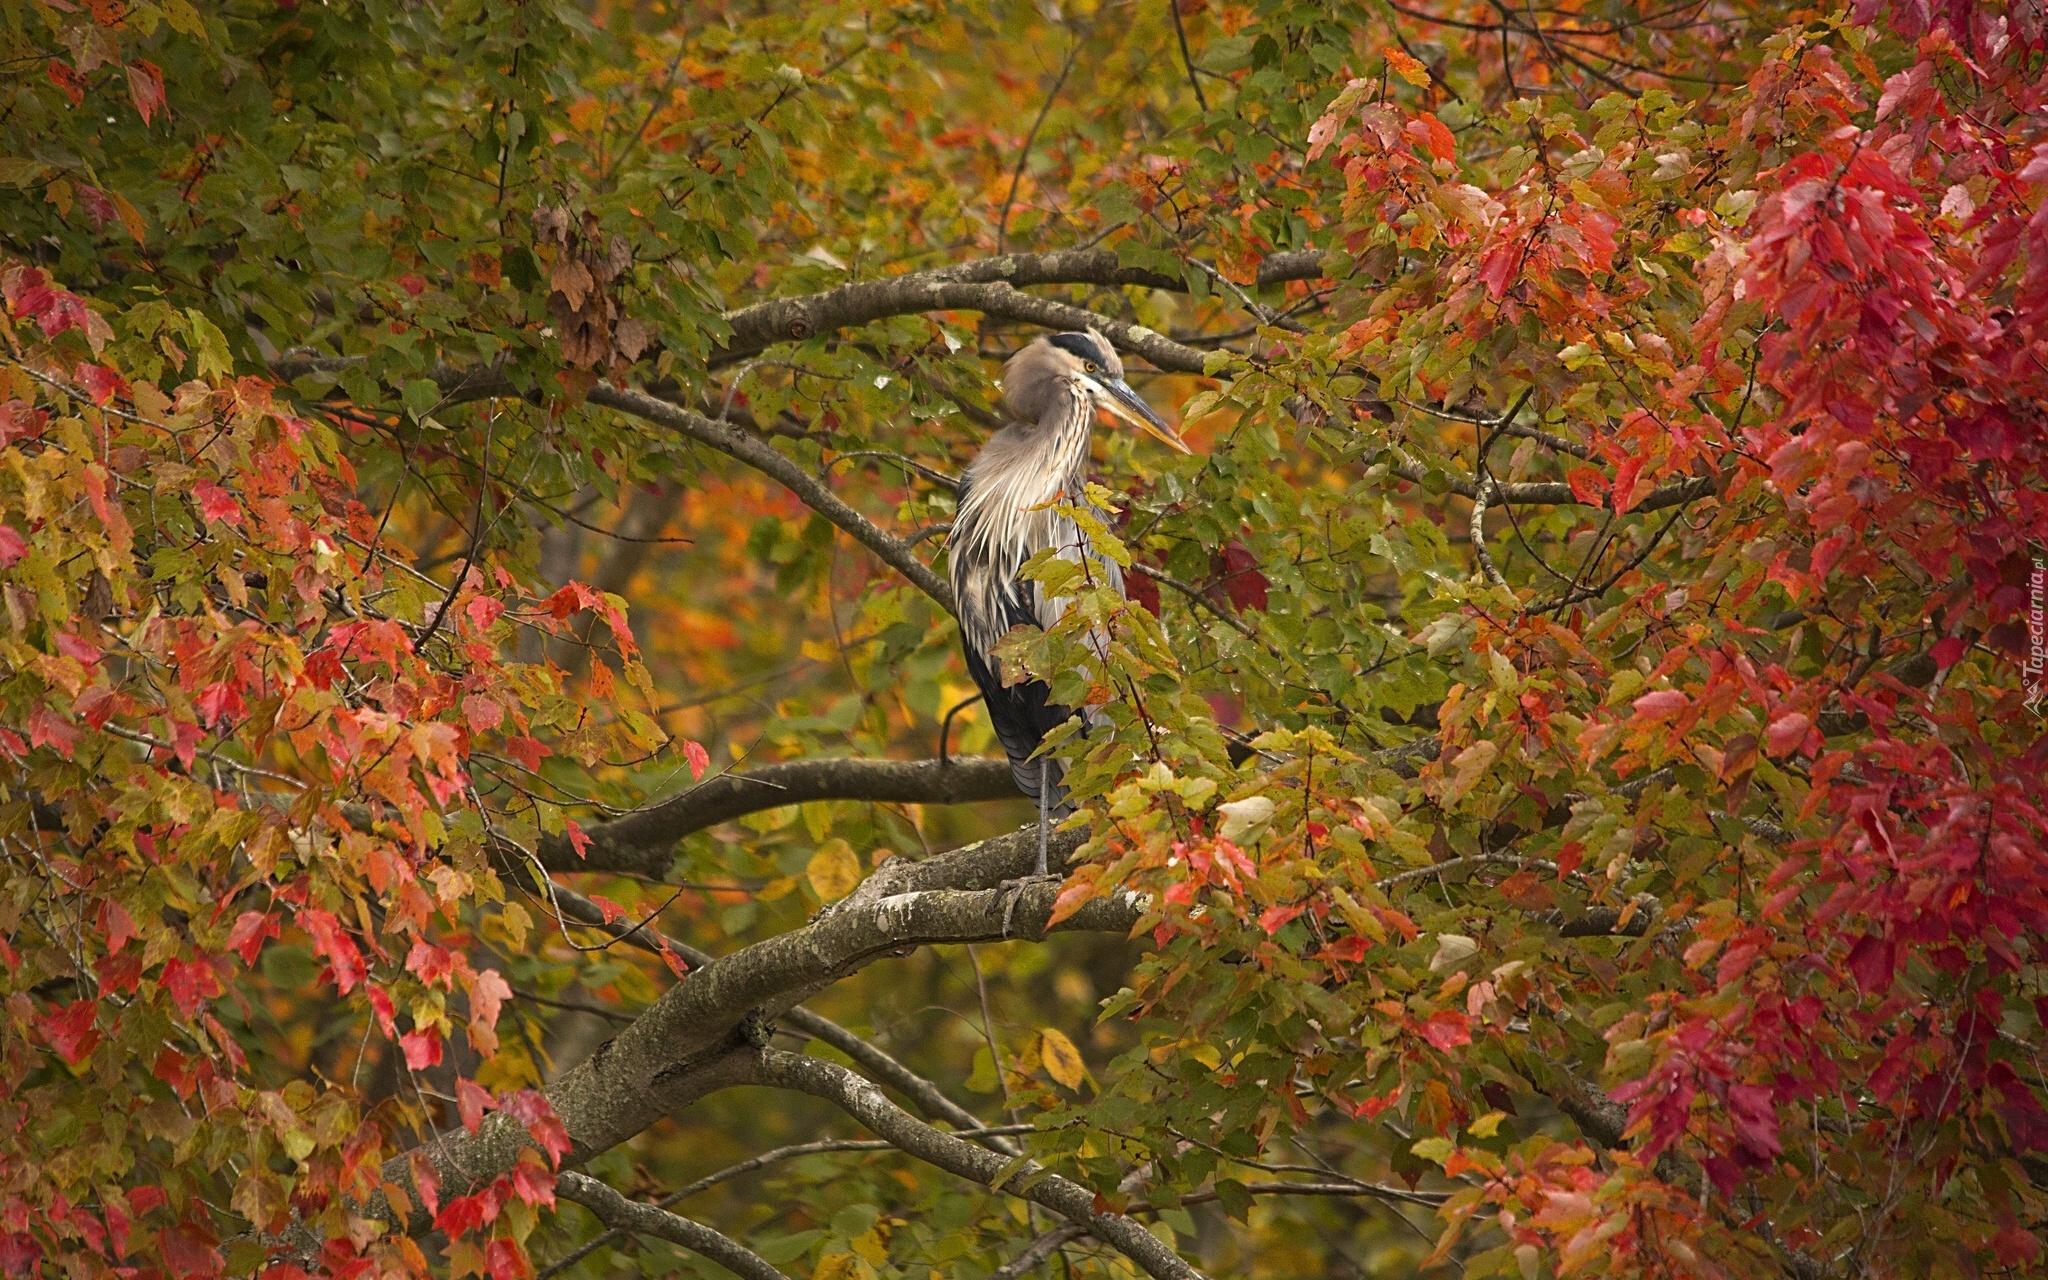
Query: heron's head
{"type": "Point", "coordinates": [1062, 361]}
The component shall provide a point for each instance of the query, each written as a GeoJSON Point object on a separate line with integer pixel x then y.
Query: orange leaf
{"type": "Point", "coordinates": [1406, 67]}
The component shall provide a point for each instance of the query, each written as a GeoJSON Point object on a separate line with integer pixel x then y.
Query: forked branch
{"type": "Point", "coordinates": [885, 1119]}
{"type": "Point", "coordinates": [685, 1044]}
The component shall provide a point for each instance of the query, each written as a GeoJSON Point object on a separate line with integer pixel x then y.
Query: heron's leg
{"type": "Point", "coordinates": [1044, 828]}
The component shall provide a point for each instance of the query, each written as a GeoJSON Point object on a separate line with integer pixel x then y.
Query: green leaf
{"type": "Point", "coordinates": [19, 173]}
{"type": "Point", "coordinates": [421, 395]}
{"type": "Point", "coordinates": [210, 347]}
{"type": "Point", "coordinates": [1435, 1150]}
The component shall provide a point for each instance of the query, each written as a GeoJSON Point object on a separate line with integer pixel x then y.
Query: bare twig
{"type": "Point", "coordinates": [1047, 1243]}
{"type": "Point", "coordinates": [744, 1167]}
{"type": "Point", "coordinates": [619, 1213]}
{"type": "Point", "coordinates": [1186, 59]}
{"type": "Point", "coordinates": [1024, 155]}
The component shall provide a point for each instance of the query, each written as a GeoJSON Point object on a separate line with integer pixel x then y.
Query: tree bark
{"type": "Point", "coordinates": [990, 286]}
{"type": "Point", "coordinates": [643, 843]}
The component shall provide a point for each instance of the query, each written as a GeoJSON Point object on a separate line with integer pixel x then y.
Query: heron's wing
{"type": "Point", "coordinates": [992, 600]}
{"type": "Point", "coordinates": [1021, 714]}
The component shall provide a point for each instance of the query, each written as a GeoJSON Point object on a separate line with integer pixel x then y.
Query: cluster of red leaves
{"type": "Point", "coordinates": [1879, 253]}
{"type": "Point", "coordinates": [203, 697]}
{"type": "Point", "coordinates": [1892, 446]}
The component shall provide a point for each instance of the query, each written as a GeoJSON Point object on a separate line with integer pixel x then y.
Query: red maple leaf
{"type": "Point", "coordinates": [191, 983]}
{"type": "Point", "coordinates": [216, 504]}
{"type": "Point", "coordinates": [71, 1032]}
{"type": "Point", "coordinates": [68, 82]}
{"type": "Point", "coordinates": [504, 1259]}
{"type": "Point", "coordinates": [472, 1100]}
{"type": "Point", "coordinates": [422, 1048]}
{"type": "Point", "coordinates": [187, 1249]}
{"type": "Point", "coordinates": [344, 960]}
{"type": "Point", "coordinates": [1447, 1029]}
{"type": "Point", "coordinates": [100, 382]}
{"type": "Point", "coordinates": [146, 88]}
{"type": "Point", "coordinates": [532, 1110]}
{"type": "Point", "coordinates": [251, 928]}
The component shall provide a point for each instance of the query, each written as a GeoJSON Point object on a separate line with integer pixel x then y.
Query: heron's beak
{"type": "Point", "coordinates": [1118, 397]}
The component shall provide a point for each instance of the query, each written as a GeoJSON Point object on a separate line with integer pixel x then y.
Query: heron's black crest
{"type": "Point", "coordinates": [1087, 346]}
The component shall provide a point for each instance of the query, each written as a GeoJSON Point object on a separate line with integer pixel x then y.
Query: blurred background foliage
{"type": "Point", "coordinates": [359, 195]}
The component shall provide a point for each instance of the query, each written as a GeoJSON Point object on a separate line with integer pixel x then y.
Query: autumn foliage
{"type": "Point", "coordinates": [1574, 735]}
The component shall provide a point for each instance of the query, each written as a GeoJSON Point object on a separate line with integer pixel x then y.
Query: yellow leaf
{"type": "Point", "coordinates": [834, 1266]}
{"type": "Point", "coordinates": [869, 1245]}
{"type": "Point", "coordinates": [833, 870]}
{"type": "Point", "coordinates": [1406, 67]}
{"type": "Point", "coordinates": [1062, 1060]}
{"type": "Point", "coordinates": [131, 218]}
{"type": "Point", "coordinates": [516, 921]}
{"type": "Point", "coordinates": [1487, 1125]}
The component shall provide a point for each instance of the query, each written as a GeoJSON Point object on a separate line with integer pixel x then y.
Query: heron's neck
{"type": "Point", "coordinates": [1067, 426]}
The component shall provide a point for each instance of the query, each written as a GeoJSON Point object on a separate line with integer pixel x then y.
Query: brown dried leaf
{"type": "Point", "coordinates": [631, 338]}
{"type": "Point", "coordinates": [585, 342]}
{"type": "Point", "coordinates": [572, 280]}
{"type": "Point", "coordinates": [551, 225]}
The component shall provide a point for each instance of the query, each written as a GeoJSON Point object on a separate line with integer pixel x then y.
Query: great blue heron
{"type": "Point", "coordinates": [1052, 389]}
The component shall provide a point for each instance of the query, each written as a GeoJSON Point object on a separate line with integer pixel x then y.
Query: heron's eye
{"type": "Point", "coordinates": [1089, 365]}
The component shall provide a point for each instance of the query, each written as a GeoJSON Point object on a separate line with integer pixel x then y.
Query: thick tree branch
{"type": "Point", "coordinates": [1555, 493]}
{"type": "Point", "coordinates": [1004, 302]}
{"type": "Point", "coordinates": [884, 1118]}
{"type": "Point", "coordinates": [990, 286]}
{"type": "Point", "coordinates": [1295, 264]}
{"type": "Point", "coordinates": [882, 1068]}
{"type": "Point", "coordinates": [621, 1214]}
{"type": "Point", "coordinates": [643, 843]}
{"type": "Point", "coordinates": [684, 1045]}
{"type": "Point", "coordinates": [878, 1064]}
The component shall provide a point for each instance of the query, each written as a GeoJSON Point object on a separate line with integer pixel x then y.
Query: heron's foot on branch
{"type": "Point", "coordinates": [1014, 891]}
